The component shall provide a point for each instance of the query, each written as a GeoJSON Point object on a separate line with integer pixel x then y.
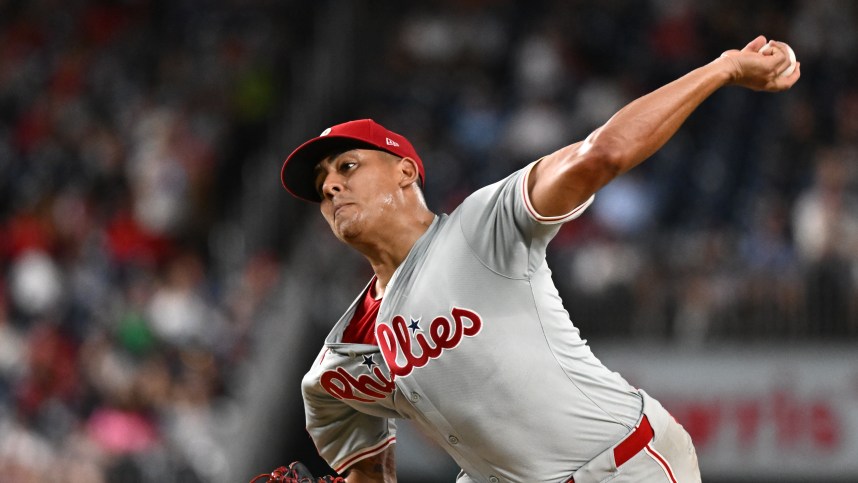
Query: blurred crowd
{"type": "Point", "coordinates": [118, 328]}
{"type": "Point", "coordinates": [126, 126]}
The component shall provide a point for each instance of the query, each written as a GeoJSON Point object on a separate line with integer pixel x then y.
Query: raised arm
{"type": "Point", "coordinates": [380, 468]}
{"type": "Point", "coordinates": [566, 178]}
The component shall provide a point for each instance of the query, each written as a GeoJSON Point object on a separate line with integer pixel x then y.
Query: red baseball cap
{"type": "Point", "coordinates": [298, 172]}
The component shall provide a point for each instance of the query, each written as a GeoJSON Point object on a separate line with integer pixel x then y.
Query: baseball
{"type": "Point", "coordinates": [791, 55]}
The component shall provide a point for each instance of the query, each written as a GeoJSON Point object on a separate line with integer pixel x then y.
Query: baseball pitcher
{"type": "Point", "coordinates": [462, 331]}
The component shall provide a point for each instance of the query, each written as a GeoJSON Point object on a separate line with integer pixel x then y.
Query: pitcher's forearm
{"type": "Point", "coordinates": [570, 175]}
{"type": "Point", "coordinates": [639, 129]}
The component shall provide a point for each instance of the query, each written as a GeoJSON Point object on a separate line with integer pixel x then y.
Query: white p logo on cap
{"type": "Point", "coordinates": [325, 132]}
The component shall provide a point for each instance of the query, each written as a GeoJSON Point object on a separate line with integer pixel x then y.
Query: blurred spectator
{"type": "Point", "coordinates": [826, 234]}
{"type": "Point", "coordinates": [770, 300]}
{"type": "Point", "coordinates": [178, 312]}
{"type": "Point", "coordinates": [35, 283]}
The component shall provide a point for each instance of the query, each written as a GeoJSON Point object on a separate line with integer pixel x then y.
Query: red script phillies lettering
{"type": "Point", "coordinates": [342, 385]}
{"type": "Point", "coordinates": [443, 334]}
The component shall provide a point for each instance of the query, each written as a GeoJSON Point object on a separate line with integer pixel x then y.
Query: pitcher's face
{"type": "Point", "coordinates": [359, 188]}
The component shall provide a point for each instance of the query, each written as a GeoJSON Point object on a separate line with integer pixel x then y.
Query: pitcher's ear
{"type": "Point", "coordinates": [409, 171]}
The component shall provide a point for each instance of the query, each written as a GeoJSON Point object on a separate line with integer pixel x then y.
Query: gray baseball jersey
{"type": "Point", "coordinates": [477, 350]}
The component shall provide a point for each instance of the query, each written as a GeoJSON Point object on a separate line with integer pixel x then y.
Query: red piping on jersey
{"type": "Point", "coordinates": [662, 462]}
{"type": "Point", "coordinates": [365, 454]}
{"type": "Point", "coordinates": [536, 216]}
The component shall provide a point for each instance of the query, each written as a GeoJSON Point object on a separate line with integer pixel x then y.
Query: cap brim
{"type": "Point", "coordinates": [298, 174]}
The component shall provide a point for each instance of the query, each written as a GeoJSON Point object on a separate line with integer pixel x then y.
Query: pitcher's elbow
{"type": "Point", "coordinates": [602, 162]}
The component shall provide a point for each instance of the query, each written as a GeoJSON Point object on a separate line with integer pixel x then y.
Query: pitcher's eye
{"type": "Point", "coordinates": [318, 183]}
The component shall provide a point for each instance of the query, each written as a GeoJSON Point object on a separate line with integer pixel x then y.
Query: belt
{"type": "Point", "coordinates": [632, 444]}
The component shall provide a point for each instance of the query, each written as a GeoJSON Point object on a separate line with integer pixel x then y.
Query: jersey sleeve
{"type": "Point", "coordinates": [504, 230]}
{"type": "Point", "coordinates": [342, 434]}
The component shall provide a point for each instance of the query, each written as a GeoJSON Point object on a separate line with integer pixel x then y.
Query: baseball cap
{"type": "Point", "coordinates": [298, 175]}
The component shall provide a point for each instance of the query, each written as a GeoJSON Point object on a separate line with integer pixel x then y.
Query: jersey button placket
{"type": "Point", "coordinates": [415, 397]}
{"type": "Point", "coordinates": [453, 439]}
{"type": "Point", "coordinates": [493, 479]}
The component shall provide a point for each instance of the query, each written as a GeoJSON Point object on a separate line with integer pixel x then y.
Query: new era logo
{"type": "Point", "coordinates": [391, 142]}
